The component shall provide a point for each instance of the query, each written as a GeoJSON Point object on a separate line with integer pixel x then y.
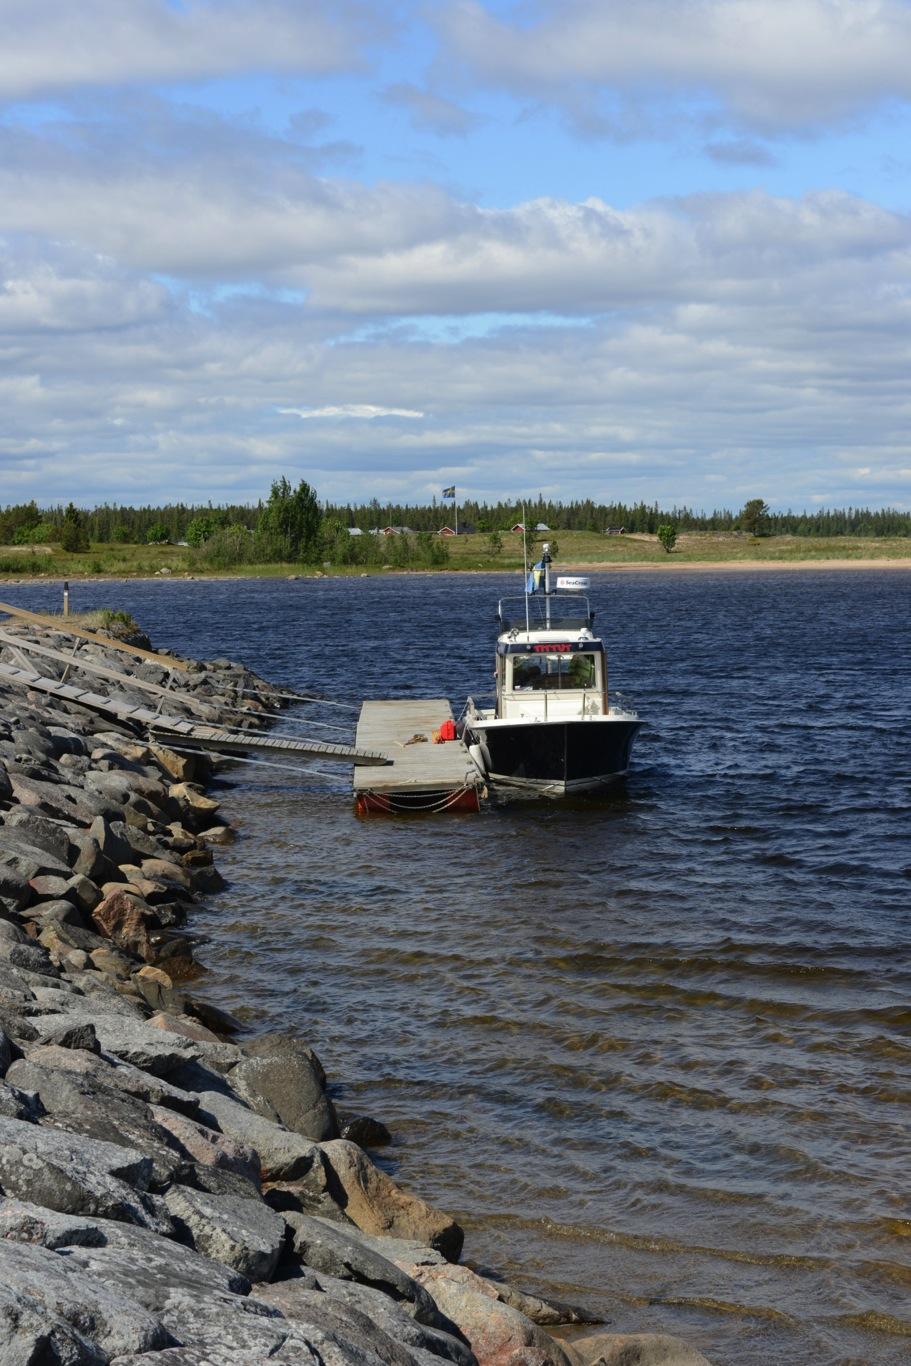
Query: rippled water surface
{"type": "Point", "coordinates": [652, 1051]}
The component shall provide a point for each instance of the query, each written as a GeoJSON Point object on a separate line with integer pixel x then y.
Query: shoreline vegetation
{"type": "Point", "coordinates": [293, 533]}
{"type": "Point", "coordinates": [174, 1189]}
{"type": "Point", "coordinates": [575, 551]}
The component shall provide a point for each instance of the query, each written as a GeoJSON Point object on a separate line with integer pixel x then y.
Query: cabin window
{"type": "Point", "coordinates": [543, 671]}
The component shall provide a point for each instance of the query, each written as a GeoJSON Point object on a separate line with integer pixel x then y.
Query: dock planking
{"type": "Point", "coordinates": [420, 776]}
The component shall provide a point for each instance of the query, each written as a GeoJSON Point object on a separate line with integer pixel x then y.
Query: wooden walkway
{"type": "Point", "coordinates": [63, 627]}
{"type": "Point", "coordinates": [196, 733]}
{"type": "Point", "coordinates": [421, 776]}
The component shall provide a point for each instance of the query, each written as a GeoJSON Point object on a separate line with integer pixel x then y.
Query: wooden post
{"type": "Point", "coordinates": [66, 598]}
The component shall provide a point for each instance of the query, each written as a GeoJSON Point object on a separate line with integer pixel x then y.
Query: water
{"type": "Point", "coordinates": [652, 1051]}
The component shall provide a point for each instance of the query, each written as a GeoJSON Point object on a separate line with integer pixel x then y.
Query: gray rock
{"type": "Point", "coordinates": [15, 892]}
{"type": "Point", "coordinates": [30, 860]}
{"type": "Point", "coordinates": [200, 1356]}
{"type": "Point", "coordinates": [76, 935]}
{"type": "Point", "coordinates": [130, 1038]}
{"type": "Point", "coordinates": [209, 1148]}
{"type": "Point", "coordinates": [284, 1156]}
{"type": "Point", "coordinates": [84, 892]}
{"type": "Point", "coordinates": [81, 1105]}
{"type": "Point", "coordinates": [62, 801]}
{"type": "Point", "coordinates": [77, 1175]}
{"type": "Point", "coordinates": [73, 1036]}
{"type": "Point", "coordinates": [89, 861]}
{"type": "Point", "coordinates": [123, 785]}
{"type": "Point", "coordinates": [41, 832]}
{"type": "Point", "coordinates": [113, 844]}
{"type": "Point", "coordinates": [59, 911]}
{"type": "Point", "coordinates": [51, 1311]}
{"type": "Point", "coordinates": [243, 1233]}
{"type": "Point", "coordinates": [30, 956]}
{"type": "Point", "coordinates": [65, 742]}
{"type": "Point", "coordinates": [367, 1317]}
{"type": "Point", "coordinates": [169, 1266]}
{"type": "Point", "coordinates": [16, 1104]}
{"type": "Point", "coordinates": [49, 886]}
{"type": "Point", "coordinates": [366, 1132]}
{"type": "Point", "coordinates": [288, 1086]}
{"type": "Point", "coordinates": [110, 1071]}
{"type": "Point", "coordinates": [402, 1251]}
{"type": "Point", "coordinates": [330, 1248]}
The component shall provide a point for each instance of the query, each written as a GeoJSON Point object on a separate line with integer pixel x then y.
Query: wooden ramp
{"type": "Point", "coordinates": [420, 776]}
{"type": "Point", "coordinates": [166, 728]}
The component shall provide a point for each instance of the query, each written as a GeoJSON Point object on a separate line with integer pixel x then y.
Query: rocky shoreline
{"type": "Point", "coordinates": [173, 1192]}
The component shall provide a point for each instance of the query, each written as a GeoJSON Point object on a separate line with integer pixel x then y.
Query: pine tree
{"type": "Point", "coordinates": [73, 537]}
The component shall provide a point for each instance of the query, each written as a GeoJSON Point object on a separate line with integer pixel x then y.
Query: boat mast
{"type": "Point", "coordinates": [525, 558]}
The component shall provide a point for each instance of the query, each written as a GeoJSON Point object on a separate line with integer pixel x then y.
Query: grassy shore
{"type": "Point", "coordinates": [574, 548]}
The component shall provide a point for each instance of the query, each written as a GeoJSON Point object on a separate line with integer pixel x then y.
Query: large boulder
{"type": "Point", "coordinates": [130, 923]}
{"type": "Point", "coordinates": [41, 832]}
{"type": "Point", "coordinates": [111, 838]}
{"type": "Point", "coordinates": [77, 1175]}
{"type": "Point", "coordinates": [497, 1334]}
{"type": "Point", "coordinates": [285, 1156]}
{"type": "Point", "coordinates": [52, 1311]}
{"type": "Point", "coordinates": [377, 1205]}
{"type": "Point", "coordinates": [208, 1147]}
{"type": "Point", "coordinates": [128, 1037]}
{"type": "Point", "coordinates": [366, 1318]}
{"type": "Point", "coordinates": [633, 1349]}
{"type": "Point", "coordinates": [18, 853]}
{"type": "Point", "coordinates": [242, 1233]}
{"type": "Point", "coordinates": [336, 1251]}
{"type": "Point", "coordinates": [82, 1105]}
{"type": "Point", "coordinates": [284, 1081]}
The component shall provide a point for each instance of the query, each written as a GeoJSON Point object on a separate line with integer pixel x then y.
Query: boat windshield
{"type": "Point", "coordinates": [542, 671]}
{"type": "Point", "coordinates": [567, 612]}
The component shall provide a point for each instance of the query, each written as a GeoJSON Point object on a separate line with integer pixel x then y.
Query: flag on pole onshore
{"type": "Point", "coordinates": [450, 492]}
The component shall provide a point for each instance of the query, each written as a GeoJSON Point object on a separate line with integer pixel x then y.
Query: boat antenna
{"type": "Point", "coordinates": [525, 558]}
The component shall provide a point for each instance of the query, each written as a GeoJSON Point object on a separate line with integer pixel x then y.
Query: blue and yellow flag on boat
{"type": "Point", "coordinates": [535, 577]}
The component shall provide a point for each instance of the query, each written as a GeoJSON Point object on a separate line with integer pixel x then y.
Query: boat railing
{"type": "Point", "coordinates": [472, 703]}
{"type": "Point", "coordinates": [543, 612]}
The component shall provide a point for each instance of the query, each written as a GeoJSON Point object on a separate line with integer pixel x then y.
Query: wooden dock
{"type": "Point", "coordinates": [420, 775]}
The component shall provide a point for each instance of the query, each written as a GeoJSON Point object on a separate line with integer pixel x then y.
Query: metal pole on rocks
{"type": "Point", "coordinates": [66, 598]}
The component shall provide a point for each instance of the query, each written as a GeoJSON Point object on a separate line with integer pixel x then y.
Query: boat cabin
{"type": "Point", "coordinates": [549, 664]}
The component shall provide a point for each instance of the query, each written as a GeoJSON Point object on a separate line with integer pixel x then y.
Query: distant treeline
{"type": "Point", "coordinates": [28, 523]}
{"type": "Point", "coordinates": [586, 515]}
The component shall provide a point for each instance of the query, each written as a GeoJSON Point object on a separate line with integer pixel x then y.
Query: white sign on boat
{"type": "Point", "coordinates": [572, 583]}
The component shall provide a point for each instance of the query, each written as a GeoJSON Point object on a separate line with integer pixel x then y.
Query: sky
{"type": "Point", "coordinates": [657, 250]}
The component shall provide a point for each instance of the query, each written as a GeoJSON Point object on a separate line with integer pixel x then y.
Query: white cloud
{"type": "Point", "coordinates": [173, 283]}
{"type": "Point", "coordinates": [775, 65]}
{"type": "Point", "coordinates": [51, 45]}
{"type": "Point", "coordinates": [356, 410]}
{"type": "Point", "coordinates": [430, 111]}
